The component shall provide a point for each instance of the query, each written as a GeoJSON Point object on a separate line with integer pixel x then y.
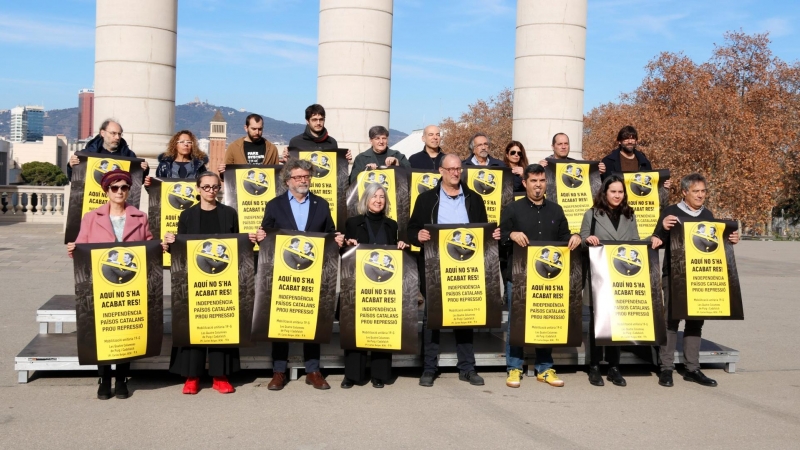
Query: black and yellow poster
{"type": "Point", "coordinates": [378, 302]}
{"type": "Point", "coordinates": [248, 188]}
{"type": "Point", "coordinates": [330, 179]}
{"type": "Point", "coordinates": [495, 185]}
{"type": "Point", "coordinates": [167, 200]}
{"type": "Point", "coordinates": [85, 192]}
{"type": "Point", "coordinates": [119, 290]}
{"type": "Point", "coordinates": [704, 282]}
{"type": "Point", "coordinates": [296, 287]}
{"type": "Point", "coordinates": [462, 276]}
{"type": "Point", "coordinates": [395, 181]}
{"type": "Point", "coordinates": [421, 181]}
{"type": "Point", "coordinates": [547, 298]}
{"type": "Point", "coordinates": [212, 290]}
{"type": "Point", "coordinates": [646, 195]}
{"type": "Point", "coordinates": [572, 184]}
{"type": "Point", "coordinates": [626, 294]}
{"type": "Point", "coordinates": [520, 195]}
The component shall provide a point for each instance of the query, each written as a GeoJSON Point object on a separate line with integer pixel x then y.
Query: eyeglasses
{"type": "Point", "coordinates": [301, 177]}
{"type": "Point", "coordinates": [123, 187]}
{"type": "Point", "coordinates": [186, 142]}
{"type": "Point", "coordinates": [453, 170]}
{"type": "Point", "coordinates": [514, 153]}
{"type": "Point", "coordinates": [209, 188]}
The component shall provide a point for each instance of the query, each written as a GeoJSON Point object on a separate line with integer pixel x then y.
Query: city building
{"type": "Point", "coordinates": [52, 149]}
{"type": "Point", "coordinates": [85, 113]}
{"type": "Point", "coordinates": [27, 124]}
{"type": "Point", "coordinates": [218, 141]}
{"type": "Point", "coordinates": [5, 150]}
{"type": "Point", "coordinates": [18, 127]}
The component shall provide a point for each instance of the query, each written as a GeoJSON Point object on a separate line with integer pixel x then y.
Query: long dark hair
{"type": "Point", "coordinates": [523, 158]}
{"type": "Point", "coordinates": [601, 200]}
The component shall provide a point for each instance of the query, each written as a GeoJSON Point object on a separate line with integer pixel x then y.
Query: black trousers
{"type": "Point", "coordinates": [190, 362]}
{"type": "Point", "coordinates": [355, 365]}
{"type": "Point", "coordinates": [612, 353]}
{"type": "Point", "coordinates": [104, 371]}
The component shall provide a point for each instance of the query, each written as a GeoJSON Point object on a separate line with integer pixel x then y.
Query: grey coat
{"type": "Point", "coordinates": [604, 229]}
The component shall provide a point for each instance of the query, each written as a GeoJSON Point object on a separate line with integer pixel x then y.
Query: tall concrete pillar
{"type": "Point", "coordinates": [134, 70]}
{"type": "Point", "coordinates": [549, 74]}
{"type": "Point", "coordinates": [355, 66]}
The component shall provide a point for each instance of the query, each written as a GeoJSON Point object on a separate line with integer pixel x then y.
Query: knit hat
{"type": "Point", "coordinates": [114, 176]}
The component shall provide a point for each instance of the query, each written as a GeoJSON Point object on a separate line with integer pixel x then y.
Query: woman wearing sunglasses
{"type": "Point", "coordinates": [516, 158]}
{"type": "Point", "coordinates": [206, 218]}
{"type": "Point", "coordinates": [115, 221]}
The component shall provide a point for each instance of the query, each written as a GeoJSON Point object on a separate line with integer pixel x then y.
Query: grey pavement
{"type": "Point", "coordinates": [758, 407]}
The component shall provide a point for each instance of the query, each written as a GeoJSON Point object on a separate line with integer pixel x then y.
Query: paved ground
{"type": "Point", "coordinates": [758, 407]}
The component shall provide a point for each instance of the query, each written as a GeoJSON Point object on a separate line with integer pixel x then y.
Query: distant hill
{"type": "Point", "coordinates": [193, 116]}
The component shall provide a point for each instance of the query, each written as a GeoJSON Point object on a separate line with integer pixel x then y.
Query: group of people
{"type": "Point", "coordinates": [451, 201]}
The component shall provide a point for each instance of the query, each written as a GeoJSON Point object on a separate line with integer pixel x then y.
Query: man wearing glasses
{"type": "Point", "coordinates": [479, 146]}
{"type": "Point", "coordinates": [108, 142]}
{"type": "Point", "coordinates": [301, 210]}
{"type": "Point", "coordinates": [451, 202]}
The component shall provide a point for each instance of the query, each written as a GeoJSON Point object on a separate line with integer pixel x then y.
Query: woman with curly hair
{"type": "Point", "coordinates": [183, 158]}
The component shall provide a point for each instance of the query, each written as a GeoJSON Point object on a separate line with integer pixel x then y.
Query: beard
{"type": "Point", "coordinates": [302, 190]}
{"type": "Point", "coordinates": [254, 138]}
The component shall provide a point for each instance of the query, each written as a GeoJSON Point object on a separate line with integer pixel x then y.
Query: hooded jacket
{"type": "Point", "coordinates": [308, 141]}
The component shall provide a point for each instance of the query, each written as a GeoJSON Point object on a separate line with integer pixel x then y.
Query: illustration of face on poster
{"type": "Point", "coordinates": [379, 299]}
{"type": "Point", "coordinates": [423, 182]}
{"type": "Point", "coordinates": [627, 261]}
{"type": "Point", "coordinates": [181, 198]}
{"type": "Point", "coordinates": [486, 182]}
{"type": "Point", "coordinates": [256, 182]}
{"type": "Point", "coordinates": [643, 197]}
{"type": "Point", "coordinates": [324, 182]}
{"type": "Point", "coordinates": [632, 316]}
{"type": "Point", "coordinates": [706, 237]}
{"type": "Point", "coordinates": [549, 264]}
{"type": "Point", "coordinates": [299, 254]}
{"type": "Point", "coordinates": [94, 197]}
{"type": "Point", "coordinates": [547, 292]}
{"type": "Point", "coordinates": [322, 164]}
{"type": "Point", "coordinates": [379, 266]}
{"type": "Point", "coordinates": [386, 179]}
{"type": "Point", "coordinates": [461, 245]}
{"type": "Point", "coordinates": [119, 266]}
{"type": "Point", "coordinates": [573, 192]}
{"type": "Point", "coordinates": [212, 257]}
{"type": "Point", "coordinates": [708, 288]}
{"type": "Point", "coordinates": [463, 277]}
{"type": "Point", "coordinates": [213, 276]}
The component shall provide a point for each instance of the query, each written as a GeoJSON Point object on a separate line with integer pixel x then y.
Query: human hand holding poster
{"type": "Point", "coordinates": [119, 291]}
{"type": "Point", "coordinates": [167, 199]}
{"type": "Point", "coordinates": [395, 181]}
{"type": "Point", "coordinates": [378, 309]}
{"type": "Point", "coordinates": [212, 290]}
{"type": "Point", "coordinates": [86, 194]}
{"type": "Point", "coordinates": [421, 181]}
{"type": "Point", "coordinates": [248, 188]}
{"type": "Point", "coordinates": [646, 194]}
{"type": "Point", "coordinates": [462, 277]}
{"type": "Point", "coordinates": [572, 184]}
{"type": "Point", "coordinates": [296, 287]}
{"type": "Point", "coordinates": [495, 186]}
{"type": "Point", "coordinates": [626, 294]}
{"type": "Point", "coordinates": [704, 282]}
{"type": "Point", "coordinates": [547, 297]}
{"type": "Point", "coordinates": [330, 179]}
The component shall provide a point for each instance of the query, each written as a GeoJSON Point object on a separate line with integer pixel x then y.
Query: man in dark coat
{"type": "Point", "coordinates": [108, 142]}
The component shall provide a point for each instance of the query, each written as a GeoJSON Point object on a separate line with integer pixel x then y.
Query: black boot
{"type": "Point", "coordinates": [665, 378]}
{"type": "Point", "coordinates": [104, 391]}
{"type": "Point", "coordinates": [615, 377]}
{"type": "Point", "coordinates": [121, 388]}
{"type": "Point", "coordinates": [594, 376]}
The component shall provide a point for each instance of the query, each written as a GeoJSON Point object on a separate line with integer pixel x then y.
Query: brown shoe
{"type": "Point", "coordinates": [278, 381]}
{"type": "Point", "coordinates": [315, 379]}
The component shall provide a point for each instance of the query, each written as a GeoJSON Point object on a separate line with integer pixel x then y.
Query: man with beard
{"type": "Point", "coordinates": [693, 187]}
{"type": "Point", "coordinates": [451, 202]}
{"type": "Point", "coordinates": [379, 155]}
{"type": "Point", "coordinates": [430, 157]}
{"type": "Point", "coordinates": [251, 149]}
{"type": "Point", "coordinates": [299, 210]}
{"type": "Point", "coordinates": [108, 142]}
{"type": "Point", "coordinates": [479, 147]}
{"type": "Point", "coordinates": [560, 146]}
{"type": "Point", "coordinates": [626, 157]}
{"type": "Point", "coordinates": [315, 136]}
{"type": "Point", "coordinates": [526, 220]}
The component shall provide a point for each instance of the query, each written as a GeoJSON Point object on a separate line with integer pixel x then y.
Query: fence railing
{"type": "Point", "coordinates": [39, 204]}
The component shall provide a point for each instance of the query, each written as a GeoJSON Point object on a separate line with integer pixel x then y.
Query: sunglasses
{"type": "Point", "coordinates": [514, 153]}
{"type": "Point", "coordinates": [123, 187]}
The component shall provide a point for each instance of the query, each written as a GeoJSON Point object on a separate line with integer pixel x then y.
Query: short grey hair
{"type": "Point", "coordinates": [294, 163]}
{"type": "Point", "coordinates": [692, 178]}
{"type": "Point", "coordinates": [369, 190]}
{"type": "Point", "coordinates": [378, 130]}
{"type": "Point", "coordinates": [477, 135]}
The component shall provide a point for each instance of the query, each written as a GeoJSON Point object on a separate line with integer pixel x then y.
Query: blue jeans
{"type": "Point", "coordinates": [515, 356]}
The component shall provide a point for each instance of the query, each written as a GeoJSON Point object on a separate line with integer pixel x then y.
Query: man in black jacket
{"type": "Point", "coordinates": [108, 142]}
{"type": "Point", "coordinates": [298, 209]}
{"type": "Point", "coordinates": [431, 155]}
{"type": "Point", "coordinates": [694, 191]}
{"type": "Point", "coordinates": [479, 147]}
{"type": "Point", "coordinates": [448, 203]}
{"type": "Point", "coordinates": [626, 157]}
{"type": "Point", "coordinates": [560, 145]}
{"type": "Point", "coordinates": [315, 136]}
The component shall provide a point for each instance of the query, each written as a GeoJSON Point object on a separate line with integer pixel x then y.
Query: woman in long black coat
{"type": "Point", "coordinates": [371, 226]}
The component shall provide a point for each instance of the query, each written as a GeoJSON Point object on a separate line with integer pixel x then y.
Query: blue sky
{"type": "Point", "coordinates": [261, 54]}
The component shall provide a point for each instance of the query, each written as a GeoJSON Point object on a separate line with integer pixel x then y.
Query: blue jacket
{"type": "Point", "coordinates": [164, 169]}
{"type": "Point", "coordinates": [96, 146]}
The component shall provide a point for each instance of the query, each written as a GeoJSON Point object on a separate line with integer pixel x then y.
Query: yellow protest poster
{"type": "Point", "coordinates": [176, 197]}
{"type": "Point", "coordinates": [707, 287]}
{"type": "Point", "coordinates": [463, 277]}
{"type": "Point", "coordinates": [632, 317]}
{"type": "Point", "coordinates": [120, 302]}
{"type": "Point", "coordinates": [213, 300]}
{"type": "Point", "coordinates": [255, 186]}
{"type": "Point", "coordinates": [547, 295]}
{"type": "Point", "coordinates": [642, 190]}
{"type": "Point", "coordinates": [488, 183]}
{"type": "Point", "coordinates": [421, 181]}
{"type": "Point", "coordinates": [93, 194]}
{"type": "Point", "coordinates": [324, 183]}
{"type": "Point", "coordinates": [379, 299]}
{"type": "Point", "coordinates": [573, 191]}
{"type": "Point", "coordinates": [296, 276]}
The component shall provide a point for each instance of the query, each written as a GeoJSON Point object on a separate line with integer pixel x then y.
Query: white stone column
{"type": "Point", "coordinates": [134, 70]}
{"type": "Point", "coordinates": [355, 66]}
{"type": "Point", "coordinates": [549, 74]}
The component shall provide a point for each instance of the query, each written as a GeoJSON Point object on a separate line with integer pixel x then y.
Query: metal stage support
{"type": "Point", "coordinates": [59, 350]}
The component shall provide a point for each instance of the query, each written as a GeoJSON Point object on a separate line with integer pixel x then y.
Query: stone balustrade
{"type": "Point", "coordinates": [38, 204]}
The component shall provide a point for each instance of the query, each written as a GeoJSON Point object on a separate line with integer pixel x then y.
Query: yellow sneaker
{"type": "Point", "coordinates": [549, 376]}
{"type": "Point", "coordinates": [514, 377]}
